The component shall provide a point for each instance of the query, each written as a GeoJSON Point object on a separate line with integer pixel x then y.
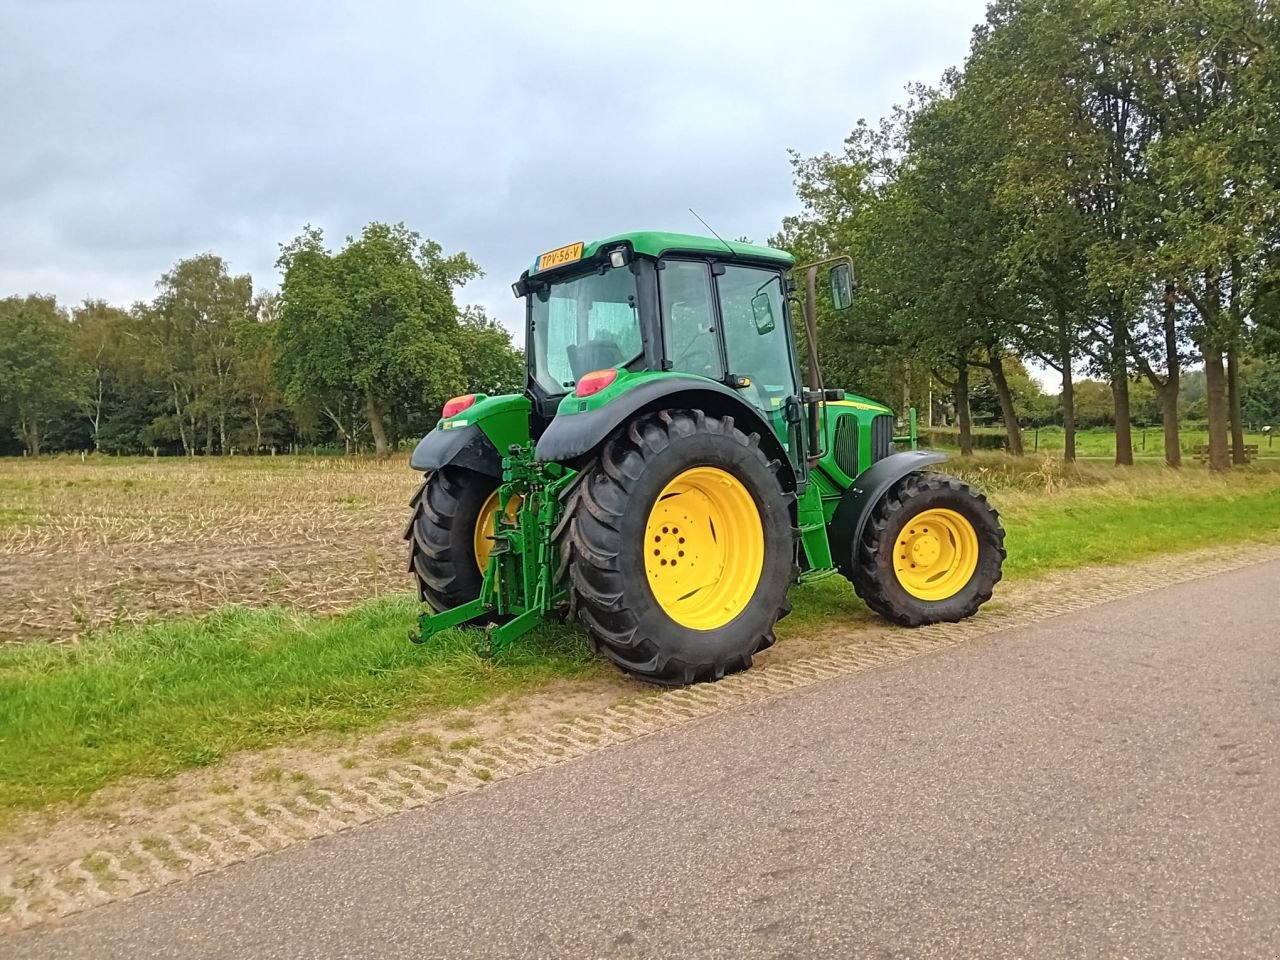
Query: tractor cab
{"type": "Point", "coordinates": [660, 302]}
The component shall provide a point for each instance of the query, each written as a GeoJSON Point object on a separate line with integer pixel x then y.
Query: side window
{"type": "Point", "coordinates": [755, 334]}
{"type": "Point", "coordinates": [688, 319]}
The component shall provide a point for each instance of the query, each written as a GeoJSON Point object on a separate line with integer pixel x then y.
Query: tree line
{"type": "Point", "coordinates": [1097, 189]}
{"type": "Point", "coordinates": [359, 348]}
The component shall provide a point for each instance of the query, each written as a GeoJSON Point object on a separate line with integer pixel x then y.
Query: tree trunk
{"type": "Point", "coordinates": [30, 427]}
{"type": "Point", "coordinates": [1172, 381]}
{"type": "Point", "coordinates": [208, 436]}
{"type": "Point", "coordinates": [1215, 383]}
{"type": "Point", "coordinates": [375, 425]}
{"type": "Point", "coordinates": [1234, 414]}
{"type": "Point", "coordinates": [1065, 358]}
{"type": "Point", "coordinates": [996, 366]}
{"type": "Point", "coordinates": [1124, 425]}
{"type": "Point", "coordinates": [1235, 319]}
{"type": "Point", "coordinates": [1120, 392]}
{"type": "Point", "coordinates": [182, 421]}
{"type": "Point", "coordinates": [964, 420]}
{"type": "Point", "coordinates": [97, 417]}
{"type": "Point", "coordinates": [222, 431]}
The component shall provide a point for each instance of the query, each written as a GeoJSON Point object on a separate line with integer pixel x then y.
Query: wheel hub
{"type": "Point", "coordinates": [483, 536]}
{"type": "Point", "coordinates": [703, 548]}
{"type": "Point", "coordinates": [936, 554]}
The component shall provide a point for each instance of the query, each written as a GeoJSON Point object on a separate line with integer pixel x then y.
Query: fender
{"type": "Point", "coordinates": [572, 435]}
{"type": "Point", "coordinates": [857, 502]}
{"type": "Point", "coordinates": [467, 447]}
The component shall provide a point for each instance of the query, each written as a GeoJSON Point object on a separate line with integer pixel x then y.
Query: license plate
{"type": "Point", "coordinates": [560, 256]}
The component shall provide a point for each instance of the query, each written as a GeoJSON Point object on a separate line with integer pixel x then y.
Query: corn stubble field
{"type": "Point", "coordinates": [107, 541]}
{"type": "Point", "coordinates": [85, 545]}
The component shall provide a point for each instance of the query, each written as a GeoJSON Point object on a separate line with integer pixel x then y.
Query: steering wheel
{"type": "Point", "coordinates": [696, 361]}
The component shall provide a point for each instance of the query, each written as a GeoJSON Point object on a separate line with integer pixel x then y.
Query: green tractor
{"type": "Point", "coordinates": [666, 478]}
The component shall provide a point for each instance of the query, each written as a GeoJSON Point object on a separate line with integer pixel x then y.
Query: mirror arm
{"type": "Point", "coordinates": [811, 325]}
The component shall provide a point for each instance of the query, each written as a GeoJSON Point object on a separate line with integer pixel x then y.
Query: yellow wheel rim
{"type": "Point", "coordinates": [482, 538]}
{"type": "Point", "coordinates": [936, 554]}
{"type": "Point", "coordinates": [704, 548]}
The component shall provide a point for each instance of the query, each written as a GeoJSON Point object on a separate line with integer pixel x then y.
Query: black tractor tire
{"type": "Point", "coordinates": [869, 564]}
{"type": "Point", "coordinates": [442, 554]}
{"type": "Point", "coordinates": [604, 547]}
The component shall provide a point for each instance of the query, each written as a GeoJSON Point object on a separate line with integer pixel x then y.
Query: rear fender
{"type": "Point", "coordinates": [465, 447]}
{"type": "Point", "coordinates": [572, 436]}
{"type": "Point", "coordinates": [476, 437]}
{"type": "Point", "coordinates": [857, 502]}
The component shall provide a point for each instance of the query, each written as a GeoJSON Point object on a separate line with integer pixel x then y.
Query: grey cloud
{"type": "Point", "coordinates": [136, 133]}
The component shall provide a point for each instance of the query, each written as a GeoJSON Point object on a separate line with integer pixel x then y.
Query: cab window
{"type": "Point", "coordinates": [688, 318]}
{"type": "Point", "coordinates": [755, 334]}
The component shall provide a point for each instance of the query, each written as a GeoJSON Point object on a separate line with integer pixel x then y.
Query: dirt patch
{"type": "Point", "coordinates": [86, 545]}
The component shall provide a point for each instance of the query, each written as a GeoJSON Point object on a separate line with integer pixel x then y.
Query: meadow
{"type": "Point", "coordinates": [161, 615]}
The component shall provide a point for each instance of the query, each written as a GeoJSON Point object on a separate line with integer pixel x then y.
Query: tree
{"type": "Point", "coordinates": [189, 331]}
{"type": "Point", "coordinates": [254, 363]}
{"type": "Point", "coordinates": [101, 339]}
{"type": "Point", "coordinates": [369, 328]}
{"type": "Point", "coordinates": [490, 364]}
{"type": "Point", "coordinates": [39, 373]}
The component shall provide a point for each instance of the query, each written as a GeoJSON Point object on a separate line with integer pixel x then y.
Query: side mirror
{"type": "Point", "coordinates": [762, 313]}
{"type": "Point", "coordinates": [842, 286]}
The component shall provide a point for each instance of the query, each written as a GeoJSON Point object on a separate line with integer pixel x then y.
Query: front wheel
{"type": "Point", "coordinates": [931, 552]}
{"type": "Point", "coordinates": [680, 550]}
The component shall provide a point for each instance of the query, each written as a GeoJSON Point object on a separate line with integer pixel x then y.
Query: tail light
{"type": "Point", "coordinates": [457, 405]}
{"type": "Point", "coordinates": [595, 382]}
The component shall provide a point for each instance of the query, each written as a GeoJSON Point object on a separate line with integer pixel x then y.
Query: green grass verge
{"type": "Point", "coordinates": [154, 700]}
{"type": "Point", "coordinates": [148, 701]}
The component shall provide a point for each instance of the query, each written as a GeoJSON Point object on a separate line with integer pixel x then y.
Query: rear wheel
{"type": "Point", "coordinates": [931, 552]}
{"type": "Point", "coordinates": [679, 548]}
{"type": "Point", "coordinates": [451, 535]}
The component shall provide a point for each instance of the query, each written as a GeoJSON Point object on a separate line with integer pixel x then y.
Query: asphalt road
{"type": "Point", "coordinates": [1104, 784]}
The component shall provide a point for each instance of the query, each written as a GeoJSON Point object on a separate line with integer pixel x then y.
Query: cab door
{"type": "Point", "coordinates": [759, 347]}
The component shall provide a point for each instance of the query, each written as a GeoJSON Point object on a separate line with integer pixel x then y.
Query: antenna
{"type": "Point", "coordinates": [713, 231]}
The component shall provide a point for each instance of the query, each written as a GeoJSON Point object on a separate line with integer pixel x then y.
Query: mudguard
{"type": "Point", "coordinates": [461, 447]}
{"type": "Point", "coordinates": [571, 435]}
{"type": "Point", "coordinates": [861, 498]}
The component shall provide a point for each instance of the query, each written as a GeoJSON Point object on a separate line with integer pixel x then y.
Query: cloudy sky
{"type": "Point", "coordinates": [137, 132]}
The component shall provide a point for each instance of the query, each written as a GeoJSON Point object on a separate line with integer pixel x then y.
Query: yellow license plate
{"type": "Point", "coordinates": [560, 256]}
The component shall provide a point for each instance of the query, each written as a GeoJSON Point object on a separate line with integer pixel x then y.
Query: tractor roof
{"type": "Point", "coordinates": [655, 243]}
{"type": "Point", "coordinates": [652, 243]}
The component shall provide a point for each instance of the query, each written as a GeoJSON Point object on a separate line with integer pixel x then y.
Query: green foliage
{"type": "Point", "coordinates": [490, 364]}
{"type": "Point", "coordinates": [372, 328]}
{"type": "Point", "coordinates": [1098, 188]}
{"type": "Point", "coordinates": [365, 342]}
{"type": "Point", "coordinates": [40, 374]}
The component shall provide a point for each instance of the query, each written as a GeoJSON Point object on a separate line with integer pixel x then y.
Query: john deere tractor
{"type": "Point", "coordinates": [666, 477]}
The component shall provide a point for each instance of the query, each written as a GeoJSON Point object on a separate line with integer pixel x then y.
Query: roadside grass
{"type": "Point", "coordinates": [157, 699]}
{"type": "Point", "coordinates": [154, 700]}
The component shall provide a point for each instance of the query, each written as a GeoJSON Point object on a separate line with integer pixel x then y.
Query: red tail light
{"type": "Point", "coordinates": [457, 405]}
{"type": "Point", "coordinates": [595, 382]}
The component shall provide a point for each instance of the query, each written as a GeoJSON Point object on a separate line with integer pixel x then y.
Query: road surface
{"type": "Point", "coordinates": [1099, 784]}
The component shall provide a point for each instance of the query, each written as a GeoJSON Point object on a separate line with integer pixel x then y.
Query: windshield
{"type": "Point", "coordinates": [584, 324]}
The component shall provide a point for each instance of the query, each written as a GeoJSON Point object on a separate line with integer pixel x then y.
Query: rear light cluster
{"type": "Point", "coordinates": [595, 382]}
{"type": "Point", "coordinates": [457, 405]}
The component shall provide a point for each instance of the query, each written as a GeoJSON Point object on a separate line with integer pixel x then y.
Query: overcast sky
{"type": "Point", "coordinates": [134, 133]}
